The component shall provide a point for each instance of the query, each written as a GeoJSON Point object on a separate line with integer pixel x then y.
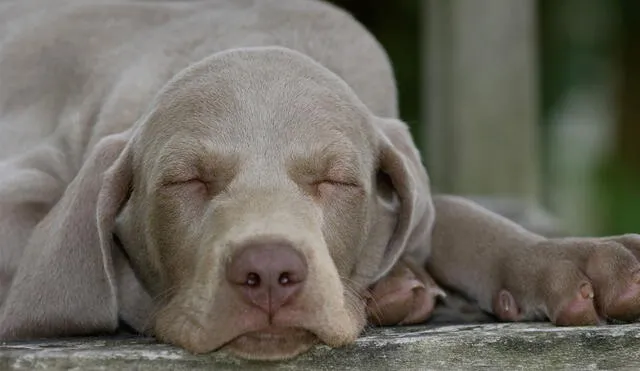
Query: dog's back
{"type": "Point", "coordinates": [76, 70]}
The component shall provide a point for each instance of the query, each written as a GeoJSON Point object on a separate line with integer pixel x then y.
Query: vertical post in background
{"type": "Point", "coordinates": [480, 97]}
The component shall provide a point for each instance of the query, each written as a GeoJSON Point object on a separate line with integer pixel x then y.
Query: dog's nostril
{"type": "Point", "coordinates": [284, 279]}
{"type": "Point", "coordinates": [253, 279]}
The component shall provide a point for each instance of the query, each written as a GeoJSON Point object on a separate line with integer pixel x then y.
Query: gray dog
{"type": "Point", "coordinates": [232, 174]}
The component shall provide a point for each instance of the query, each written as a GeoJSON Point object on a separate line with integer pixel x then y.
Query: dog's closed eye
{"type": "Point", "coordinates": [337, 183]}
{"type": "Point", "coordinates": [330, 183]}
{"type": "Point", "coordinates": [329, 187]}
{"type": "Point", "coordinates": [191, 185]}
{"type": "Point", "coordinates": [194, 180]}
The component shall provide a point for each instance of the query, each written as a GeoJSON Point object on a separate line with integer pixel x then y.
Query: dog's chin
{"type": "Point", "coordinates": [272, 344]}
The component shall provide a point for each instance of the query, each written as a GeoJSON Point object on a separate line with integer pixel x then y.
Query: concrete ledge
{"type": "Point", "coordinates": [494, 346]}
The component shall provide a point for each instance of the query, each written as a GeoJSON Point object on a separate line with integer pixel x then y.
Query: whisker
{"type": "Point", "coordinates": [370, 300]}
{"type": "Point", "coordinates": [355, 300]}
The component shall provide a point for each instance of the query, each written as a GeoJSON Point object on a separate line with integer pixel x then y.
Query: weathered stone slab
{"type": "Point", "coordinates": [492, 346]}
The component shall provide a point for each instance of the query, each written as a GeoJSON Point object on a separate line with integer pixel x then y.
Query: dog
{"type": "Point", "coordinates": [233, 174]}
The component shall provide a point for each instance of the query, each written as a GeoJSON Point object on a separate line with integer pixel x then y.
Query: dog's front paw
{"type": "Point", "coordinates": [406, 295]}
{"type": "Point", "coordinates": [575, 281]}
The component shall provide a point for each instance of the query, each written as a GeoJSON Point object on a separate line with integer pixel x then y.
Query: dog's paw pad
{"type": "Point", "coordinates": [505, 307]}
{"type": "Point", "coordinates": [626, 307]}
{"type": "Point", "coordinates": [580, 310]}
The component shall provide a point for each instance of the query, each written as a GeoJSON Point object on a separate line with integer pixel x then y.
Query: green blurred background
{"type": "Point", "coordinates": [589, 97]}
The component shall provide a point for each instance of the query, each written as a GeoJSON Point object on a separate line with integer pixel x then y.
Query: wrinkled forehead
{"type": "Point", "coordinates": [259, 101]}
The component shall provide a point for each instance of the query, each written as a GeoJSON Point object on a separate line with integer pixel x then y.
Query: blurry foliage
{"type": "Point", "coordinates": [619, 198]}
{"type": "Point", "coordinates": [577, 38]}
{"type": "Point", "coordinates": [619, 177]}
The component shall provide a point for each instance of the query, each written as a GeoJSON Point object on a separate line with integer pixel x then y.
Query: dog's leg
{"type": "Point", "coordinates": [518, 275]}
{"type": "Point", "coordinates": [29, 186]}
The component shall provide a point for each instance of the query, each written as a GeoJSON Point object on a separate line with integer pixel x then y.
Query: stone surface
{"type": "Point", "coordinates": [493, 346]}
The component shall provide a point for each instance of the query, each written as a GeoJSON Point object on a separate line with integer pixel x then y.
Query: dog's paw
{"type": "Point", "coordinates": [575, 281]}
{"type": "Point", "coordinates": [406, 295]}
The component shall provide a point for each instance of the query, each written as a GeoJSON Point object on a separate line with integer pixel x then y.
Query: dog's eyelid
{"type": "Point", "coordinates": [189, 180]}
{"type": "Point", "coordinates": [182, 175]}
{"type": "Point", "coordinates": [343, 183]}
{"type": "Point", "coordinates": [341, 174]}
{"type": "Point", "coordinates": [176, 182]}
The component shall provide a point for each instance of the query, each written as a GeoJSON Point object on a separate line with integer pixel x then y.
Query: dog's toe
{"type": "Point", "coordinates": [407, 295]}
{"type": "Point", "coordinates": [611, 288]}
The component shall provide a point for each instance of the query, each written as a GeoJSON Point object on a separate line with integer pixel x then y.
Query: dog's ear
{"type": "Point", "coordinates": [400, 165]}
{"type": "Point", "coordinates": [65, 284]}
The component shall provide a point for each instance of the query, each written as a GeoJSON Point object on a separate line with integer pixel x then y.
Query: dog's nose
{"type": "Point", "coordinates": [267, 275]}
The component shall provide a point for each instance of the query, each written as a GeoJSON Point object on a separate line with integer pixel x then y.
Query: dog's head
{"type": "Point", "coordinates": [256, 201]}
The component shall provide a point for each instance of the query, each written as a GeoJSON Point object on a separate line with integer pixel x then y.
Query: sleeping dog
{"type": "Point", "coordinates": [233, 174]}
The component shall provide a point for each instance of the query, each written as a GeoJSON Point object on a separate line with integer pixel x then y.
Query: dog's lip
{"type": "Point", "coordinates": [272, 343]}
{"type": "Point", "coordinates": [277, 333]}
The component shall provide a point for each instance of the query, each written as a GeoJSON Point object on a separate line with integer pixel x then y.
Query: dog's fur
{"type": "Point", "coordinates": [144, 144]}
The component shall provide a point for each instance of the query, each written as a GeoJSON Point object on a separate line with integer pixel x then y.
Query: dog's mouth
{"type": "Point", "coordinates": [272, 343]}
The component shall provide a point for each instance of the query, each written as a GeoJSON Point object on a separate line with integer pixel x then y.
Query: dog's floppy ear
{"type": "Point", "coordinates": [65, 283]}
{"type": "Point", "coordinates": [400, 163]}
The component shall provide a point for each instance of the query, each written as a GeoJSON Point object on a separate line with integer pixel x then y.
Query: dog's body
{"type": "Point", "coordinates": [230, 173]}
